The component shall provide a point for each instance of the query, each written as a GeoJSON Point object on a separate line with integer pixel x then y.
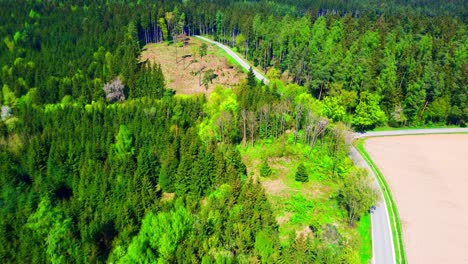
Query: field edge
{"type": "Point", "coordinates": [392, 209]}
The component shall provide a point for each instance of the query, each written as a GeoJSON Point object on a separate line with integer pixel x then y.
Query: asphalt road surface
{"type": "Point", "coordinates": [382, 240]}
{"type": "Point", "coordinates": [383, 251]}
{"type": "Point", "coordinates": [244, 64]}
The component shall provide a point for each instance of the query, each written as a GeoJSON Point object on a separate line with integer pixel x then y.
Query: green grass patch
{"type": "Point", "coordinates": [296, 204]}
{"type": "Point", "coordinates": [391, 206]}
{"type": "Point", "coordinates": [364, 230]}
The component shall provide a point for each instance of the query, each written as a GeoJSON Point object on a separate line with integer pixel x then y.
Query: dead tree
{"type": "Point", "coordinates": [244, 126]}
{"type": "Point", "coordinates": [114, 91]}
{"type": "Point", "coordinates": [252, 123]}
{"type": "Point", "coordinates": [265, 114]}
{"type": "Point", "coordinates": [319, 129]}
{"type": "Point", "coordinates": [199, 73]}
{"type": "Point", "coordinates": [277, 111]}
{"type": "Point", "coordinates": [284, 110]}
{"type": "Point", "coordinates": [6, 112]}
{"type": "Point", "coordinates": [340, 133]}
{"type": "Point", "coordinates": [222, 121]}
{"type": "Point", "coordinates": [299, 110]}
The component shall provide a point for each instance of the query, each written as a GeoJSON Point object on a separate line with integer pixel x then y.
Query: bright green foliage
{"type": "Point", "coordinates": [438, 110]}
{"type": "Point", "coordinates": [301, 174]}
{"type": "Point", "coordinates": [368, 112]}
{"type": "Point", "coordinates": [415, 100]}
{"type": "Point", "coordinates": [162, 25]}
{"type": "Point", "coordinates": [264, 245]}
{"type": "Point", "coordinates": [302, 209]}
{"type": "Point", "coordinates": [123, 142]}
{"type": "Point", "coordinates": [54, 230]}
{"type": "Point", "coordinates": [84, 180]}
{"type": "Point", "coordinates": [364, 229]}
{"type": "Point", "coordinates": [333, 108]}
{"type": "Point", "coordinates": [8, 96]}
{"type": "Point", "coordinates": [265, 170]}
{"type": "Point", "coordinates": [221, 109]}
{"type": "Point", "coordinates": [358, 195]}
{"type": "Point", "coordinates": [159, 237]}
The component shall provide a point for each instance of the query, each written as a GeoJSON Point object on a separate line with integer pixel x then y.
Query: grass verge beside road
{"type": "Point", "coordinates": [364, 230]}
{"type": "Point", "coordinates": [391, 207]}
{"type": "Point", "coordinates": [388, 128]}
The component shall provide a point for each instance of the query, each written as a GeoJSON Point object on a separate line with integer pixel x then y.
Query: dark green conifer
{"type": "Point", "coordinates": [251, 78]}
{"type": "Point", "coordinates": [265, 170]}
{"type": "Point", "coordinates": [301, 173]}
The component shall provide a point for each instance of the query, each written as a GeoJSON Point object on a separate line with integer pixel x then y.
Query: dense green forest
{"type": "Point", "coordinates": [100, 162]}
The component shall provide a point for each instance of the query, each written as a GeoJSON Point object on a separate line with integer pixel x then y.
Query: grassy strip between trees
{"type": "Point", "coordinates": [391, 207]}
{"type": "Point", "coordinates": [364, 230]}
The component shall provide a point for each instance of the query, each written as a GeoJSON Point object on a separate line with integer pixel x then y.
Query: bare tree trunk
{"type": "Point", "coordinates": [318, 130]}
{"type": "Point", "coordinates": [252, 125]}
{"type": "Point", "coordinates": [424, 109]}
{"type": "Point", "coordinates": [174, 38]}
{"type": "Point", "coordinates": [244, 124]}
{"type": "Point", "coordinates": [321, 87]}
{"type": "Point", "coordinates": [265, 111]}
{"type": "Point", "coordinates": [299, 109]}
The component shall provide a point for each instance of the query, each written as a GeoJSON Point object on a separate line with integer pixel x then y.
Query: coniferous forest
{"type": "Point", "coordinates": [101, 162]}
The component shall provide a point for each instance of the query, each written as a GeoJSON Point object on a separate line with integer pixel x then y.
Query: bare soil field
{"type": "Point", "coordinates": [428, 178]}
{"type": "Point", "coordinates": [181, 76]}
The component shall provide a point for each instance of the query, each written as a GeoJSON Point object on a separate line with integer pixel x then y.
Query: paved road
{"type": "Point", "coordinates": [244, 64]}
{"type": "Point", "coordinates": [382, 239]}
{"type": "Point", "coordinates": [383, 251]}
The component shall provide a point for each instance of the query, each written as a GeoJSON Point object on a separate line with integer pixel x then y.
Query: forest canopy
{"type": "Point", "coordinates": [100, 161]}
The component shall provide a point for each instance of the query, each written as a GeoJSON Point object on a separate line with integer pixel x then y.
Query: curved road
{"type": "Point", "coordinates": [231, 53]}
{"type": "Point", "coordinates": [383, 251]}
{"type": "Point", "coordinates": [382, 240]}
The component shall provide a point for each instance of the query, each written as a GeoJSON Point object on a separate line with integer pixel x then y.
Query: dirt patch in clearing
{"type": "Point", "coordinates": [167, 197]}
{"type": "Point", "coordinates": [274, 187]}
{"type": "Point", "coordinates": [284, 219]}
{"type": "Point", "coordinates": [303, 233]}
{"type": "Point", "coordinates": [181, 76]}
{"type": "Point", "coordinates": [428, 177]}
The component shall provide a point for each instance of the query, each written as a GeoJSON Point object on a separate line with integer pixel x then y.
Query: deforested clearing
{"type": "Point", "coordinates": [428, 177]}
{"type": "Point", "coordinates": [185, 69]}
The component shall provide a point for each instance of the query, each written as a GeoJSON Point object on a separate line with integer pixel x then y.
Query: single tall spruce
{"type": "Point", "coordinates": [251, 78]}
{"type": "Point", "coordinates": [301, 173]}
{"type": "Point", "coordinates": [265, 170]}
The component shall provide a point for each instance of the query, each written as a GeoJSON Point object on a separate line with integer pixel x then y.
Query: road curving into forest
{"type": "Point", "coordinates": [231, 53]}
{"type": "Point", "coordinates": [383, 250]}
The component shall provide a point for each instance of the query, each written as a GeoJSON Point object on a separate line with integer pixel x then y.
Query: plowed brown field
{"type": "Point", "coordinates": [428, 177]}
